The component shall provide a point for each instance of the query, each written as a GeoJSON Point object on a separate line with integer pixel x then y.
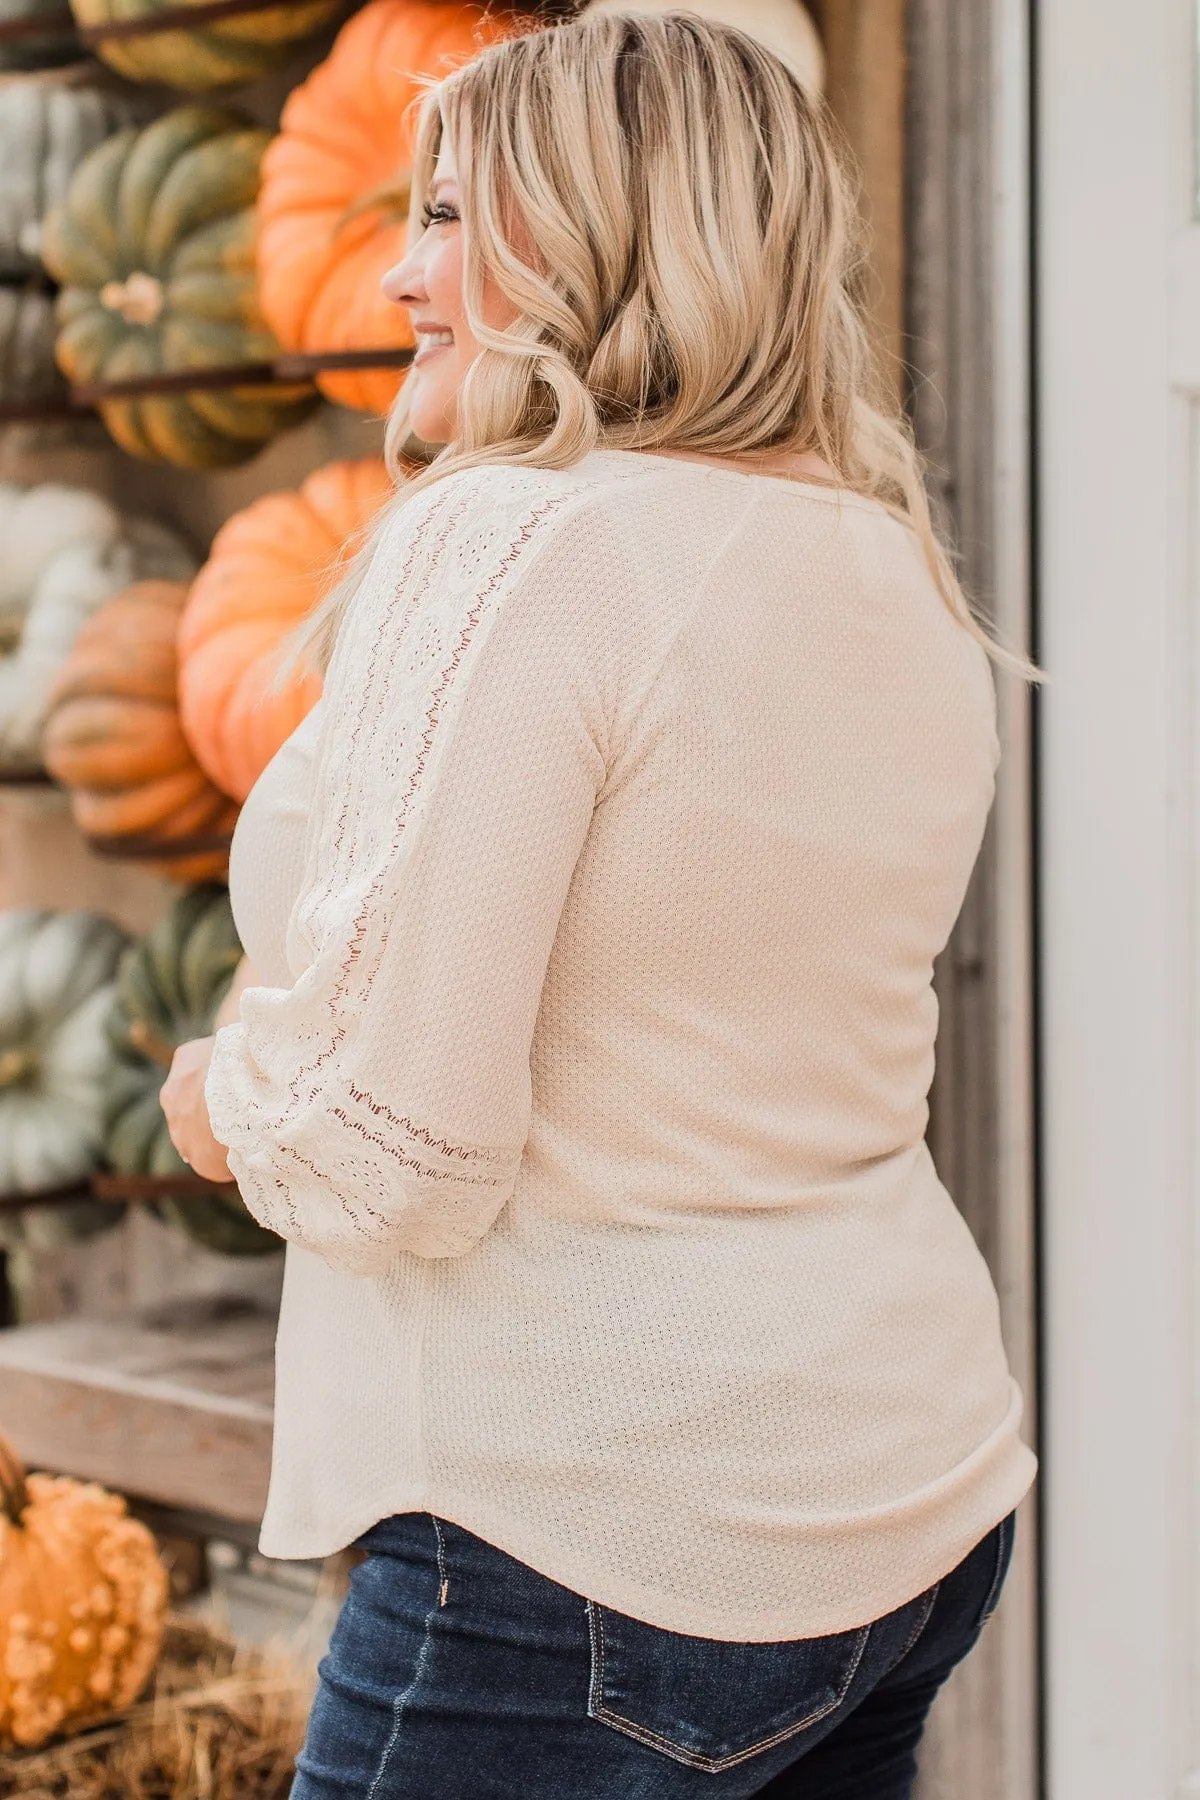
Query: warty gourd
{"type": "Point", "coordinates": [83, 1599]}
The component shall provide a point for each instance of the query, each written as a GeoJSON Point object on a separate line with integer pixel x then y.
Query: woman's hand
{"type": "Point", "coordinates": [182, 1093]}
{"type": "Point", "coordinates": [186, 1112]}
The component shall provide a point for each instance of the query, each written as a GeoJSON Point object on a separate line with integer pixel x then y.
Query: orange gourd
{"type": "Point", "coordinates": [268, 567]}
{"type": "Point", "coordinates": [333, 205]}
{"type": "Point", "coordinates": [113, 737]}
{"type": "Point", "coordinates": [83, 1595]}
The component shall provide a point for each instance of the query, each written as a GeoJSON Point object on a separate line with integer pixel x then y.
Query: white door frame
{"type": "Point", "coordinates": [1119, 500]}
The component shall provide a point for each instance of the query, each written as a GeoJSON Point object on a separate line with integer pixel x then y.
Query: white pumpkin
{"type": "Point", "coordinates": [784, 26]}
{"type": "Point", "coordinates": [56, 986]}
{"type": "Point", "coordinates": [64, 551]}
{"type": "Point", "coordinates": [47, 127]}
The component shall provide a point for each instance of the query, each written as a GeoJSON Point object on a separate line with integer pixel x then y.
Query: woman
{"type": "Point", "coordinates": [626, 1326]}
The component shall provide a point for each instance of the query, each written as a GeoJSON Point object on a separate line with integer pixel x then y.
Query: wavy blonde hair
{"type": "Point", "coordinates": [668, 212]}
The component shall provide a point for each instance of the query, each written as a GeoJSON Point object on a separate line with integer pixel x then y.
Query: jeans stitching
{"type": "Point", "coordinates": [443, 1572]}
{"type": "Point", "coordinates": [695, 1759]}
{"type": "Point", "coordinates": [405, 1695]}
{"type": "Point", "coordinates": [596, 1635]}
{"type": "Point", "coordinates": [923, 1618]}
{"type": "Point", "coordinates": [1003, 1536]}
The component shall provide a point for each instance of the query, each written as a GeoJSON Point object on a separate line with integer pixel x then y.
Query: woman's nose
{"type": "Point", "coordinates": [403, 284]}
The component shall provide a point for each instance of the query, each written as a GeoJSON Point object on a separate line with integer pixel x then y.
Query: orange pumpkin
{"type": "Point", "coordinates": [83, 1594]}
{"type": "Point", "coordinates": [268, 567]}
{"type": "Point", "coordinates": [333, 205]}
{"type": "Point", "coordinates": [113, 737]}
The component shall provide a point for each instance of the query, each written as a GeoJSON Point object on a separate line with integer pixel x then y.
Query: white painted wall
{"type": "Point", "coordinates": [1120, 502]}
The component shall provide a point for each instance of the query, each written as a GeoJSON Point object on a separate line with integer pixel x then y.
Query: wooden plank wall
{"type": "Point", "coordinates": [866, 76]}
{"type": "Point", "coordinates": [929, 94]}
{"type": "Point", "coordinates": [966, 314]}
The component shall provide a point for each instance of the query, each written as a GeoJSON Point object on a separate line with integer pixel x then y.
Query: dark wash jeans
{"type": "Point", "coordinates": [457, 1673]}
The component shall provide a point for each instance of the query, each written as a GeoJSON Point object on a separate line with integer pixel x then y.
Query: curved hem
{"type": "Point", "coordinates": [951, 1516]}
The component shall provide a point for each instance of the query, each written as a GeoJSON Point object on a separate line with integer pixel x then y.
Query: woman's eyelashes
{"type": "Point", "coordinates": [441, 214]}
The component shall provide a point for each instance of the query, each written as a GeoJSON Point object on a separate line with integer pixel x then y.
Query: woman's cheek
{"type": "Point", "coordinates": [444, 280]}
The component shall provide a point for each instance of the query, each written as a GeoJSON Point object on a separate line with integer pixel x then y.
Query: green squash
{"type": "Point", "coordinates": [205, 56]}
{"type": "Point", "coordinates": [169, 988]}
{"type": "Point", "coordinates": [154, 246]}
{"type": "Point", "coordinates": [56, 988]}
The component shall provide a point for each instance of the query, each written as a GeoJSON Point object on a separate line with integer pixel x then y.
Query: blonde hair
{"type": "Point", "coordinates": [666, 209]}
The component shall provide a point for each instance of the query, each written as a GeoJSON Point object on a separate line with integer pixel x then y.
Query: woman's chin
{"type": "Point", "coordinates": [430, 414]}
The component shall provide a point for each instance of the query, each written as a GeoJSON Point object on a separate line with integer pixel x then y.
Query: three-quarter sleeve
{"type": "Point", "coordinates": [381, 1104]}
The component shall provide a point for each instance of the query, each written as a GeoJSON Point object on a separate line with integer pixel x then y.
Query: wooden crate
{"type": "Point", "coordinates": [171, 1404]}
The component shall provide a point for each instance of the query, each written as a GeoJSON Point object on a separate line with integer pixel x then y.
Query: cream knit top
{"type": "Point", "coordinates": [595, 907]}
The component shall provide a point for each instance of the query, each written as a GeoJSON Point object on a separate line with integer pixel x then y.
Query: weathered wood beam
{"type": "Point", "coordinates": [173, 1406]}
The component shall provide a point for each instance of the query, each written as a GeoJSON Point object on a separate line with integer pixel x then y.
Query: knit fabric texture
{"type": "Point", "coordinates": [594, 911]}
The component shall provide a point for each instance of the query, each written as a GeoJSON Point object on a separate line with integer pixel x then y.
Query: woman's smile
{"type": "Point", "coordinates": [430, 340]}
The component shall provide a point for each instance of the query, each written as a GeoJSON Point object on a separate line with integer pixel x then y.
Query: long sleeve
{"type": "Point", "coordinates": [381, 1104]}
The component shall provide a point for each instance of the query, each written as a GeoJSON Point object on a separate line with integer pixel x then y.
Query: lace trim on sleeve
{"type": "Point", "coordinates": [307, 1141]}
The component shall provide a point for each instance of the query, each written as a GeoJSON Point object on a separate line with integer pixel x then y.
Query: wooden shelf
{"type": "Point", "coordinates": [45, 862]}
{"type": "Point", "coordinates": [172, 1405]}
{"type": "Point", "coordinates": [60, 1196]}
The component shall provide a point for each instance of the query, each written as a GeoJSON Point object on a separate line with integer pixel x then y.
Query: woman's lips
{"type": "Point", "coordinates": [431, 340]}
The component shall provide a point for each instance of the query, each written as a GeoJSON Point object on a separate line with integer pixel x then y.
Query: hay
{"type": "Point", "coordinates": [219, 1723]}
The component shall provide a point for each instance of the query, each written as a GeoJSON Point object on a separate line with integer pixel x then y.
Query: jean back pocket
{"type": "Point", "coordinates": [710, 1703]}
